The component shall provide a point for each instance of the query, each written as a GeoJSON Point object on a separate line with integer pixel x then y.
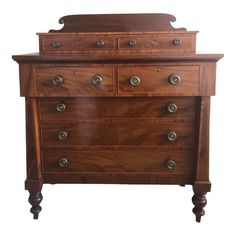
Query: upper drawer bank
{"type": "Point", "coordinates": [107, 80]}
{"type": "Point", "coordinates": [102, 43]}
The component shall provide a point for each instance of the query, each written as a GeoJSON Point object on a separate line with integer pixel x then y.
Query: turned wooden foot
{"type": "Point", "coordinates": [199, 200]}
{"type": "Point", "coordinates": [35, 199]}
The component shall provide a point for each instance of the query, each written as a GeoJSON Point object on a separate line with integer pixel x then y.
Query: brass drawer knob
{"type": "Point", "coordinates": [56, 44]}
{"type": "Point", "coordinates": [97, 80]}
{"type": "Point", "coordinates": [171, 107]}
{"type": "Point", "coordinates": [61, 107]}
{"type": "Point", "coordinates": [132, 43]}
{"type": "Point", "coordinates": [100, 43]}
{"type": "Point", "coordinates": [174, 79]}
{"type": "Point", "coordinates": [176, 42]}
{"type": "Point", "coordinates": [134, 80]}
{"type": "Point", "coordinates": [63, 162]}
{"type": "Point", "coordinates": [171, 135]}
{"type": "Point", "coordinates": [58, 80]}
{"type": "Point", "coordinates": [63, 135]}
{"type": "Point", "coordinates": [170, 164]}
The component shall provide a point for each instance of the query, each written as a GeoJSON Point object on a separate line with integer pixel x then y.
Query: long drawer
{"type": "Point", "coordinates": [117, 132]}
{"type": "Point", "coordinates": [140, 107]}
{"type": "Point", "coordinates": [163, 161]}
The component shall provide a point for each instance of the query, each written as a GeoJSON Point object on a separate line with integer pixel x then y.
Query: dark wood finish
{"type": "Point", "coordinates": [117, 43]}
{"type": "Point", "coordinates": [144, 161]}
{"type": "Point", "coordinates": [35, 199]}
{"type": "Point", "coordinates": [34, 179]}
{"type": "Point", "coordinates": [76, 79]}
{"type": "Point", "coordinates": [155, 79]}
{"type": "Point", "coordinates": [199, 201]}
{"type": "Point", "coordinates": [117, 23]}
{"type": "Point", "coordinates": [124, 57]}
{"type": "Point", "coordinates": [116, 178]}
{"type": "Point", "coordinates": [162, 43]}
{"type": "Point", "coordinates": [78, 43]}
{"type": "Point", "coordinates": [123, 107]}
{"type": "Point", "coordinates": [117, 132]}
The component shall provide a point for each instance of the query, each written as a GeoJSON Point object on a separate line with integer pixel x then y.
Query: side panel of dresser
{"type": "Point", "coordinates": [28, 82]}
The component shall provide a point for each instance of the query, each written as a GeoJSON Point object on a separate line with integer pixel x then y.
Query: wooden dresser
{"type": "Point", "coordinates": [119, 99]}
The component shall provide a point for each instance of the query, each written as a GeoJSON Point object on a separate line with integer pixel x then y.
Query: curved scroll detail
{"type": "Point", "coordinates": [117, 23]}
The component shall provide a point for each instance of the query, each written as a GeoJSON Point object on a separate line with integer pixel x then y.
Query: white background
{"type": "Point", "coordinates": [116, 209]}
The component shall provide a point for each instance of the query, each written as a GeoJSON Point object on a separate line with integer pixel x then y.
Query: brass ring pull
{"type": "Point", "coordinates": [170, 164]}
{"type": "Point", "coordinates": [63, 135]}
{"type": "Point", "coordinates": [171, 107]}
{"type": "Point", "coordinates": [172, 136]}
{"type": "Point", "coordinates": [97, 80]}
{"type": "Point", "coordinates": [132, 43]}
{"type": "Point", "coordinates": [134, 80]}
{"type": "Point", "coordinates": [176, 42]}
{"type": "Point", "coordinates": [56, 44]}
{"type": "Point", "coordinates": [100, 43]}
{"type": "Point", "coordinates": [174, 79]}
{"type": "Point", "coordinates": [58, 80]}
{"type": "Point", "coordinates": [61, 107]}
{"type": "Point", "coordinates": [63, 162]}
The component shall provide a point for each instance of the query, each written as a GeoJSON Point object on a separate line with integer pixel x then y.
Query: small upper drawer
{"type": "Point", "coordinates": [162, 43]}
{"type": "Point", "coordinates": [77, 43]}
{"type": "Point", "coordinates": [163, 80]}
{"type": "Point", "coordinates": [73, 80]}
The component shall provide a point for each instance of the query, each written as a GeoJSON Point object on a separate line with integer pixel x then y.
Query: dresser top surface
{"type": "Point", "coordinates": [37, 57]}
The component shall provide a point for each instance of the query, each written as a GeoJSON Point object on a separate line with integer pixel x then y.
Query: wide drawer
{"type": "Point", "coordinates": [117, 132]}
{"type": "Point", "coordinates": [161, 43]}
{"type": "Point", "coordinates": [62, 44]}
{"type": "Point", "coordinates": [163, 161]}
{"type": "Point", "coordinates": [139, 107]}
{"type": "Point", "coordinates": [69, 80]}
{"type": "Point", "coordinates": [159, 79]}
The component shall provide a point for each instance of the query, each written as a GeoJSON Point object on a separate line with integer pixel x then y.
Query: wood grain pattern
{"type": "Point", "coordinates": [116, 132]}
{"type": "Point", "coordinates": [155, 79]}
{"type": "Point", "coordinates": [116, 178]}
{"type": "Point", "coordinates": [140, 107]}
{"type": "Point", "coordinates": [34, 179]}
{"type": "Point", "coordinates": [161, 43]}
{"type": "Point", "coordinates": [119, 160]}
{"type": "Point", "coordinates": [76, 79]}
{"type": "Point", "coordinates": [117, 23]}
{"type": "Point", "coordinates": [81, 43]}
{"type": "Point", "coordinates": [78, 43]}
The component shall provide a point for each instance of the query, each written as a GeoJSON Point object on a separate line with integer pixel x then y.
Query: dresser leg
{"type": "Point", "coordinates": [34, 199]}
{"type": "Point", "coordinates": [199, 200]}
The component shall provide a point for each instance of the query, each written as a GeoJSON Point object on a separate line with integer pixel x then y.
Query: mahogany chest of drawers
{"type": "Point", "coordinates": [118, 99]}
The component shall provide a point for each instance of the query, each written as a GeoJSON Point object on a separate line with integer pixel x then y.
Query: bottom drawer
{"type": "Point", "coordinates": [163, 161]}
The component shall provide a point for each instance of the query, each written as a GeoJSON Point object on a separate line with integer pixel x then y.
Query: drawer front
{"type": "Point", "coordinates": [88, 108]}
{"type": "Point", "coordinates": [116, 133]}
{"type": "Point", "coordinates": [163, 161]}
{"type": "Point", "coordinates": [159, 79]}
{"type": "Point", "coordinates": [91, 43]}
{"type": "Point", "coordinates": [73, 80]}
{"type": "Point", "coordinates": [168, 43]}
